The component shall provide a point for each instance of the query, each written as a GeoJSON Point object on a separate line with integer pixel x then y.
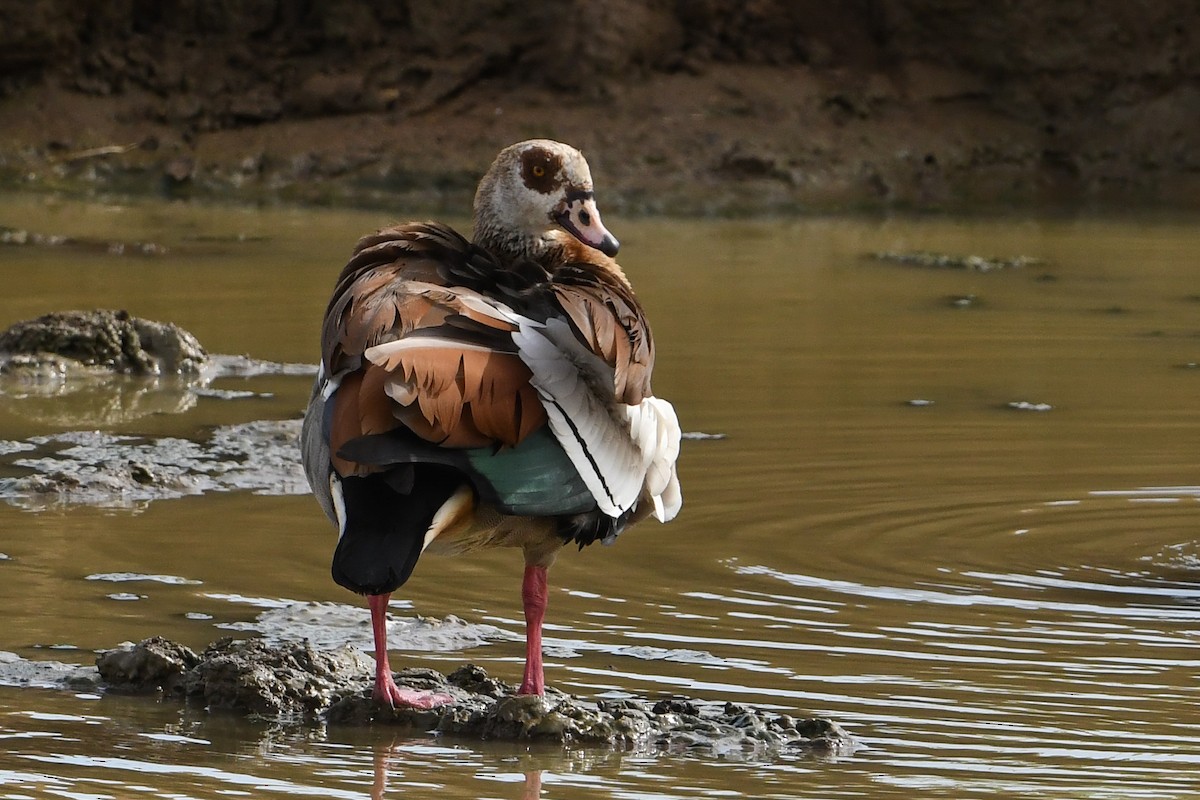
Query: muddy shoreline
{"type": "Point", "coordinates": [295, 684]}
{"type": "Point", "coordinates": [723, 109]}
{"type": "Point", "coordinates": [317, 674]}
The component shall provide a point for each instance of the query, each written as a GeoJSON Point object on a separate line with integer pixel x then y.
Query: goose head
{"type": "Point", "coordinates": [534, 192]}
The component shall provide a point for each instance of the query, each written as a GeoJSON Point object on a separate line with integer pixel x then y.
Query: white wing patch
{"type": "Point", "coordinates": [656, 429]}
{"type": "Point", "coordinates": [388, 354]}
{"type": "Point", "coordinates": [623, 453]}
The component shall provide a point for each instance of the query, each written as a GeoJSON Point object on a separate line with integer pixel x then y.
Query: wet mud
{"type": "Point", "coordinates": [103, 368]}
{"type": "Point", "coordinates": [110, 470]}
{"type": "Point", "coordinates": [932, 260]}
{"type": "Point", "coordinates": [296, 682]}
{"type": "Point", "coordinates": [46, 674]}
{"type": "Point", "coordinates": [21, 237]}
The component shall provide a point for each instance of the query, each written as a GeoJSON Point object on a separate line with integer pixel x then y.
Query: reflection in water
{"type": "Point", "coordinates": [531, 787]}
{"type": "Point", "coordinates": [995, 602]}
{"type": "Point", "coordinates": [379, 785]}
{"type": "Point", "coordinates": [93, 397]}
{"type": "Point", "coordinates": [97, 400]}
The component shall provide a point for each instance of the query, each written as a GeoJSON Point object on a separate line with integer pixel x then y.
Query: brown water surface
{"type": "Point", "coordinates": [994, 601]}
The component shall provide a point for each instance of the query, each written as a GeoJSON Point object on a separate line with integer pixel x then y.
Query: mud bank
{"type": "Point", "coordinates": [716, 107]}
{"type": "Point", "coordinates": [296, 682]}
{"type": "Point", "coordinates": [102, 368]}
{"type": "Point", "coordinates": [109, 470]}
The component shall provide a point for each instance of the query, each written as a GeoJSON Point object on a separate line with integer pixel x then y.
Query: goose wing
{"type": "Point", "coordinates": [535, 386]}
{"type": "Point", "coordinates": [419, 366]}
{"type": "Point", "coordinates": [591, 363]}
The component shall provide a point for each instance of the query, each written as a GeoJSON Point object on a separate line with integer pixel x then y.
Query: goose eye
{"type": "Point", "coordinates": [539, 169]}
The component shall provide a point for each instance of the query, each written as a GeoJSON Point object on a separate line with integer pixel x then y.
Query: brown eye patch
{"type": "Point", "coordinates": [539, 169]}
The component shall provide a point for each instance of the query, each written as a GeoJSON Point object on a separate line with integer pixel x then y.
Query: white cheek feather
{"type": "Point", "coordinates": [339, 503]}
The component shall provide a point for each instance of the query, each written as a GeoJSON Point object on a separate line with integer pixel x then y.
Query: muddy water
{"type": "Point", "coordinates": [994, 600]}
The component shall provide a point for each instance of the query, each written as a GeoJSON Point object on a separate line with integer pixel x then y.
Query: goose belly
{"type": "Point", "coordinates": [468, 526]}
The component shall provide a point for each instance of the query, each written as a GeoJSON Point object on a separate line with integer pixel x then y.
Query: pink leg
{"type": "Point", "coordinates": [386, 690]}
{"type": "Point", "coordinates": [533, 594]}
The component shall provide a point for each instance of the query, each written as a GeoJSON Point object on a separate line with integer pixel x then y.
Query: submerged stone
{"type": "Point", "coordinates": [26, 238]}
{"type": "Point", "coordinates": [925, 258]}
{"type": "Point", "coordinates": [328, 626]}
{"type": "Point", "coordinates": [26, 673]}
{"type": "Point", "coordinates": [701, 436]}
{"type": "Point", "coordinates": [295, 681]}
{"type": "Point", "coordinates": [963, 301]}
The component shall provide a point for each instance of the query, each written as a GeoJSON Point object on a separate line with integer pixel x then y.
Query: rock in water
{"type": "Point", "coordinates": [292, 679]}
{"type": "Point", "coordinates": [297, 681]}
{"type": "Point", "coordinates": [155, 664]}
{"type": "Point", "coordinates": [103, 338]}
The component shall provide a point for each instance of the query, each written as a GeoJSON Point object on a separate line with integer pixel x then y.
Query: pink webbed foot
{"type": "Point", "coordinates": [386, 691]}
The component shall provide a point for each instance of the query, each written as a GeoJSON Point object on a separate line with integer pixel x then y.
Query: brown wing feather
{"type": "Point", "coordinates": [344, 424]}
{"type": "Point", "coordinates": [502, 403]}
{"type": "Point", "coordinates": [594, 293]}
{"type": "Point", "coordinates": [486, 393]}
{"type": "Point", "coordinates": [610, 321]}
{"type": "Point", "coordinates": [442, 365]}
{"type": "Point", "coordinates": [433, 369]}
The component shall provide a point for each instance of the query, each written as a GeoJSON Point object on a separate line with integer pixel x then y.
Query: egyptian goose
{"type": "Point", "coordinates": [493, 393]}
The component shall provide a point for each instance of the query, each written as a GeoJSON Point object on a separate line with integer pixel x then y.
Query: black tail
{"type": "Point", "coordinates": [589, 527]}
{"type": "Point", "coordinates": [387, 515]}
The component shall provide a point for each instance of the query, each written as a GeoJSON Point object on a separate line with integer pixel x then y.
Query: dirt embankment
{"type": "Point", "coordinates": [700, 106]}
